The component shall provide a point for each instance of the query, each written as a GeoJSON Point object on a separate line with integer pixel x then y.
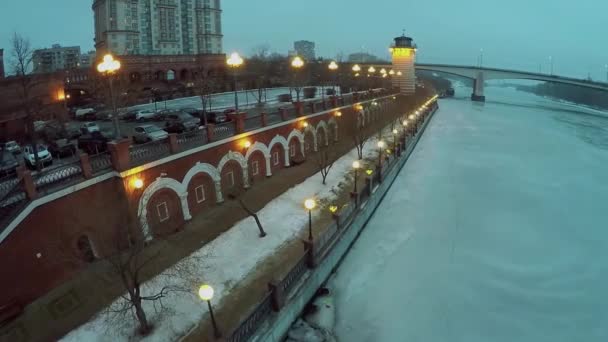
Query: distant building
{"type": "Point", "coordinates": [56, 58]}
{"type": "Point", "coordinates": [158, 27]}
{"type": "Point", "coordinates": [1, 63]}
{"type": "Point", "coordinates": [362, 57]}
{"type": "Point", "coordinates": [305, 49]}
{"type": "Point", "coordinates": [87, 59]}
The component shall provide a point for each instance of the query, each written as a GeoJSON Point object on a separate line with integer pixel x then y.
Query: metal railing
{"type": "Point", "coordinates": [101, 162]}
{"type": "Point", "coordinates": [12, 201]}
{"type": "Point", "coordinates": [223, 131]}
{"type": "Point", "coordinates": [192, 139]}
{"type": "Point", "coordinates": [294, 275]}
{"type": "Point", "coordinates": [7, 183]}
{"type": "Point", "coordinates": [154, 150]}
{"type": "Point", "coordinates": [49, 180]}
{"type": "Point", "coordinates": [249, 326]}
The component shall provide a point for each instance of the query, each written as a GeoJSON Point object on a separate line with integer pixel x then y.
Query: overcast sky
{"type": "Point", "coordinates": [519, 34]}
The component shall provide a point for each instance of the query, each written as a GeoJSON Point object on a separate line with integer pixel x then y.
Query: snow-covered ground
{"type": "Point", "coordinates": [231, 257]}
{"type": "Point", "coordinates": [495, 230]}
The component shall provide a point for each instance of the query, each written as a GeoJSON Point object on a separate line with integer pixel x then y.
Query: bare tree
{"type": "Point", "coordinates": [204, 87]}
{"type": "Point", "coordinates": [325, 159]}
{"type": "Point", "coordinates": [259, 66]}
{"type": "Point", "coordinates": [237, 196]}
{"type": "Point", "coordinates": [131, 263]}
{"type": "Point", "coordinates": [360, 132]}
{"type": "Point", "coordinates": [22, 56]}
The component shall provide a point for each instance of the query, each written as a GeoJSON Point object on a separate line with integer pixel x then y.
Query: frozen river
{"type": "Point", "coordinates": [495, 230]}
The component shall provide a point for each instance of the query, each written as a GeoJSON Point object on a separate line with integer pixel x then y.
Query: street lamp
{"type": "Point", "coordinates": [395, 132]}
{"type": "Point", "coordinates": [381, 146]}
{"type": "Point", "coordinates": [356, 167]}
{"type": "Point", "coordinates": [234, 62]}
{"type": "Point", "coordinates": [205, 292]}
{"type": "Point", "coordinates": [138, 183]}
{"type": "Point", "coordinates": [392, 72]}
{"type": "Point", "coordinates": [356, 68]}
{"type": "Point", "coordinates": [310, 204]}
{"type": "Point", "coordinates": [297, 63]}
{"type": "Point", "coordinates": [371, 70]}
{"type": "Point", "coordinates": [108, 67]}
{"type": "Point", "coordinates": [399, 73]}
{"type": "Point", "coordinates": [333, 67]}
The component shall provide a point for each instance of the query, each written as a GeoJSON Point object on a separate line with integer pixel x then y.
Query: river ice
{"type": "Point", "coordinates": [495, 230]}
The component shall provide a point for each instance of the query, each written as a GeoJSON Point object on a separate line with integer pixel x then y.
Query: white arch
{"type": "Point", "coordinates": [297, 134]}
{"type": "Point", "coordinates": [212, 172]}
{"type": "Point", "coordinates": [313, 130]}
{"type": "Point", "coordinates": [258, 146]}
{"type": "Point", "coordinates": [279, 139]}
{"type": "Point", "coordinates": [158, 184]}
{"type": "Point", "coordinates": [322, 124]}
{"type": "Point", "coordinates": [333, 122]}
{"type": "Point", "coordinates": [231, 155]}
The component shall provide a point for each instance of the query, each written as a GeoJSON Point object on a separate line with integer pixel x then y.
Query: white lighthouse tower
{"type": "Point", "coordinates": [404, 55]}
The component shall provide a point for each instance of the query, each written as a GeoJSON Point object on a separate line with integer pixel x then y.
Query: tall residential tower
{"type": "Point", "coordinates": [158, 27]}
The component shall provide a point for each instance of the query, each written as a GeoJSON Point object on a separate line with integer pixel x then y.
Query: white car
{"type": "Point", "coordinates": [147, 133]}
{"type": "Point", "coordinates": [84, 113]}
{"type": "Point", "coordinates": [143, 115]}
{"type": "Point", "coordinates": [89, 127]}
{"type": "Point", "coordinates": [12, 147]}
{"type": "Point", "coordinates": [44, 156]}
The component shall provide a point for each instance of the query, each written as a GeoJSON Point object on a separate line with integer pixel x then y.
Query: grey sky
{"type": "Point", "coordinates": [519, 34]}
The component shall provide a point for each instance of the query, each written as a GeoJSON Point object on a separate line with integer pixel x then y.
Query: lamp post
{"type": "Point", "coordinates": [297, 63]}
{"type": "Point", "coordinates": [370, 73]}
{"type": "Point", "coordinates": [381, 146]}
{"type": "Point", "coordinates": [356, 167]}
{"type": "Point", "coordinates": [108, 67]}
{"type": "Point", "coordinates": [310, 204]}
{"type": "Point", "coordinates": [395, 132]}
{"type": "Point", "coordinates": [356, 70]}
{"type": "Point", "coordinates": [234, 62]}
{"type": "Point", "coordinates": [333, 68]}
{"type": "Point", "coordinates": [205, 292]}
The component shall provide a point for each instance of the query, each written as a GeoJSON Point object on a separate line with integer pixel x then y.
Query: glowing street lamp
{"type": "Point", "coordinates": [205, 293]}
{"type": "Point", "coordinates": [138, 183]}
{"type": "Point", "coordinates": [356, 68]}
{"type": "Point", "coordinates": [234, 62]}
{"type": "Point", "coordinates": [395, 132]}
{"type": "Point", "coordinates": [399, 73]}
{"type": "Point", "coordinates": [356, 167]}
{"type": "Point", "coordinates": [297, 63]}
{"type": "Point", "coordinates": [333, 68]}
{"type": "Point", "coordinates": [108, 67]}
{"type": "Point", "coordinates": [392, 72]}
{"type": "Point", "coordinates": [310, 204]}
{"type": "Point", "coordinates": [371, 70]}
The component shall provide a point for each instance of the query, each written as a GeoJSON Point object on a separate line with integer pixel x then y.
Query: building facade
{"type": "Point", "coordinates": [56, 58]}
{"type": "Point", "coordinates": [403, 52]}
{"type": "Point", "coordinates": [158, 27]}
{"type": "Point", "coordinates": [87, 59]}
{"type": "Point", "coordinates": [305, 49]}
{"type": "Point", "coordinates": [362, 57]}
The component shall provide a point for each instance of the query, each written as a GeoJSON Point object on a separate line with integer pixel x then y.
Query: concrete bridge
{"type": "Point", "coordinates": [480, 74]}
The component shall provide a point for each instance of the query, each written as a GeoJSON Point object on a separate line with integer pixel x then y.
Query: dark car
{"type": "Point", "coordinates": [93, 143]}
{"type": "Point", "coordinates": [8, 164]}
{"type": "Point", "coordinates": [161, 115]}
{"type": "Point", "coordinates": [212, 117]}
{"type": "Point", "coordinates": [181, 122]}
{"type": "Point", "coordinates": [62, 148]}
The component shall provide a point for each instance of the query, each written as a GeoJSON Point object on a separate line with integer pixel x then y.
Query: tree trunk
{"type": "Point", "coordinates": [255, 217]}
{"type": "Point", "coordinates": [144, 326]}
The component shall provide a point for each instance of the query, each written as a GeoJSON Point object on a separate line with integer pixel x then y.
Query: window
{"type": "Point", "coordinates": [255, 167]}
{"type": "Point", "coordinates": [162, 211]}
{"type": "Point", "coordinates": [275, 158]}
{"type": "Point", "coordinates": [292, 150]}
{"type": "Point", "coordinates": [200, 193]}
{"type": "Point", "coordinates": [230, 178]}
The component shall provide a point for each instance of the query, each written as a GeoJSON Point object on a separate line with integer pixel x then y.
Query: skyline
{"type": "Point", "coordinates": [569, 33]}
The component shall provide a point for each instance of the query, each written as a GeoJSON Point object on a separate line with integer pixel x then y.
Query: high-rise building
{"type": "Point", "coordinates": [87, 59]}
{"type": "Point", "coordinates": [158, 27]}
{"type": "Point", "coordinates": [305, 49]}
{"type": "Point", "coordinates": [1, 63]}
{"type": "Point", "coordinates": [362, 57]}
{"type": "Point", "coordinates": [55, 58]}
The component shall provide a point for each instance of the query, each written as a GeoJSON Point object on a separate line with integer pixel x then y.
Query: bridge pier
{"type": "Point", "coordinates": [478, 88]}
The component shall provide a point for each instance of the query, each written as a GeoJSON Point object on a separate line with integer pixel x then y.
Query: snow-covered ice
{"type": "Point", "coordinates": [495, 230]}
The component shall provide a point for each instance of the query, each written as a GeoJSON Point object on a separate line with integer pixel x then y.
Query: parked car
{"type": "Point", "coordinates": [62, 148]}
{"type": "Point", "coordinates": [181, 122]}
{"type": "Point", "coordinates": [8, 164]}
{"type": "Point", "coordinates": [85, 114]}
{"type": "Point", "coordinates": [212, 117]}
{"type": "Point", "coordinates": [12, 147]}
{"type": "Point", "coordinates": [147, 133]}
{"type": "Point", "coordinates": [89, 127]}
{"type": "Point", "coordinates": [143, 115]}
{"type": "Point", "coordinates": [93, 143]}
{"type": "Point", "coordinates": [44, 156]}
{"type": "Point", "coordinates": [161, 114]}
